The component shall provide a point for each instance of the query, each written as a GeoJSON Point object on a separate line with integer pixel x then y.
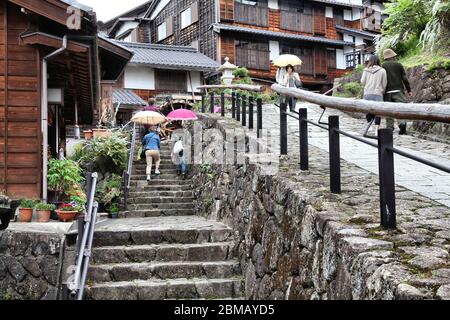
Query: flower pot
{"type": "Point", "coordinates": [101, 133]}
{"type": "Point", "coordinates": [113, 215]}
{"type": "Point", "coordinates": [88, 134]}
{"type": "Point", "coordinates": [43, 215]}
{"type": "Point", "coordinates": [66, 216]}
{"type": "Point", "coordinates": [25, 215]}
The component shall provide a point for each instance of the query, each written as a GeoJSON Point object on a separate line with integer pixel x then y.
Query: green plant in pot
{"type": "Point", "coordinates": [109, 191]}
{"type": "Point", "coordinates": [62, 176]}
{"type": "Point", "coordinates": [44, 210]}
{"type": "Point", "coordinates": [114, 211]}
{"type": "Point", "coordinates": [26, 210]}
{"type": "Point", "coordinates": [67, 212]}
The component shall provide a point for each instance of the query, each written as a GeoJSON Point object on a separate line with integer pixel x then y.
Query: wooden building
{"type": "Point", "coordinates": [331, 36]}
{"type": "Point", "coordinates": [51, 67]}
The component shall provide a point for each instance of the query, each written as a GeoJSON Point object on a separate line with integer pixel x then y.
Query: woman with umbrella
{"type": "Point", "coordinates": [290, 79]}
{"type": "Point", "coordinates": [151, 144]}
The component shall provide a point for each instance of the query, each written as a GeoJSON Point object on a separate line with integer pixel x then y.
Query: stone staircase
{"type": "Point", "coordinates": [162, 250]}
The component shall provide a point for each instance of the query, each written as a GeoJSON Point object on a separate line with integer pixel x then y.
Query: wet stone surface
{"type": "Point", "coordinates": [290, 224]}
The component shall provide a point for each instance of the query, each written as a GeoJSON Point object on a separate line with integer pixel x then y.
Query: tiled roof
{"type": "Point", "coordinates": [127, 97]}
{"type": "Point", "coordinates": [78, 5]}
{"type": "Point", "coordinates": [356, 31]}
{"type": "Point", "coordinates": [346, 3]}
{"type": "Point", "coordinates": [169, 57]}
{"type": "Point", "coordinates": [274, 34]}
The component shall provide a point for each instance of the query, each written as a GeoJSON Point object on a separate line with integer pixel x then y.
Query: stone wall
{"type": "Point", "coordinates": [292, 245]}
{"type": "Point", "coordinates": [427, 87]}
{"type": "Point", "coordinates": [29, 265]}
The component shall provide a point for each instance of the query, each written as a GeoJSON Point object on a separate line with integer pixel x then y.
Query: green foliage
{"type": "Point", "coordinates": [114, 208]}
{"type": "Point", "coordinates": [444, 64]}
{"type": "Point", "coordinates": [413, 24]}
{"type": "Point", "coordinates": [353, 89]}
{"type": "Point", "coordinates": [45, 206]}
{"type": "Point", "coordinates": [241, 72]}
{"type": "Point", "coordinates": [27, 203]}
{"type": "Point", "coordinates": [63, 175]}
{"type": "Point", "coordinates": [105, 154]}
{"type": "Point", "coordinates": [69, 208]}
{"type": "Point", "coordinates": [359, 68]}
{"type": "Point", "coordinates": [108, 192]}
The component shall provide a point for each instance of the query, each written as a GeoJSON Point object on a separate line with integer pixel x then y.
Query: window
{"type": "Point", "coordinates": [170, 81]}
{"type": "Point", "coordinates": [186, 16]}
{"type": "Point", "coordinates": [165, 29]}
{"type": "Point", "coordinates": [189, 16]}
{"type": "Point", "coordinates": [162, 31]}
{"type": "Point", "coordinates": [253, 55]}
{"type": "Point", "coordinates": [329, 12]}
{"type": "Point", "coordinates": [305, 54]}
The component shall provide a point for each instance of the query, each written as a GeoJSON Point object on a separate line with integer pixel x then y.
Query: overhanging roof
{"type": "Point", "coordinates": [279, 35]}
{"type": "Point", "coordinates": [169, 57]}
{"type": "Point", "coordinates": [127, 98]}
{"type": "Point", "coordinates": [365, 34]}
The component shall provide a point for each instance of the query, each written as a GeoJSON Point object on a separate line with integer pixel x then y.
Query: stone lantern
{"type": "Point", "coordinates": [227, 71]}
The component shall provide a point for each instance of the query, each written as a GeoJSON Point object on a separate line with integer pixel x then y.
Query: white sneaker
{"type": "Point", "coordinates": [157, 172]}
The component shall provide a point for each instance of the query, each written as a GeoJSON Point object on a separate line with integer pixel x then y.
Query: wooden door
{"type": "Point", "coordinates": [320, 23]}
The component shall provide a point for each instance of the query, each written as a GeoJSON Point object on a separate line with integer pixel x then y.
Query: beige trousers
{"type": "Point", "coordinates": [151, 155]}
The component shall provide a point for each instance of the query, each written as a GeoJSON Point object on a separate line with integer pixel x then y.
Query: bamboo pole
{"type": "Point", "coordinates": [405, 111]}
{"type": "Point", "coordinates": [246, 87]}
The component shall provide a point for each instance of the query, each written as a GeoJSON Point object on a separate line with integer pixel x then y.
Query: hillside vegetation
{"type": "Point", "coordinates": [419, 31]}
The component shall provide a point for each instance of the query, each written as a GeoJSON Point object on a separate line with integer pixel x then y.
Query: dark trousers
{"type": "Point", "coordinates": [394, 97]}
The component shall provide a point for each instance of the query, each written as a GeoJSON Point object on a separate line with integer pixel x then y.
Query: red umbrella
{"type": "Point", "coordinates": [181, 114]}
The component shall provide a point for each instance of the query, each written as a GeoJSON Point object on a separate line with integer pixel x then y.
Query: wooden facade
{"type": "Point", "coordinates": [29, 31]}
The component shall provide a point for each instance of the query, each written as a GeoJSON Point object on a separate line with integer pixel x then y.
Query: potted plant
{"type": "Point", "coordinates": [113, 211]}
{"type": "Point", "coordinates": [67, 212]}
{"type": "Point", "coordinates": [26, 210]}
{"type": "Point", "coordinates": [88, 134]}
{"type": "Point", "coordinates": [62, 176]}
{"type": "Point", "coordinates": [44, 210]}
{"type": "Point", "coordinates": [101, 133]}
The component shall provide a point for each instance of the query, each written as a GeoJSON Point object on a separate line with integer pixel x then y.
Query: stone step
{"type": "Point", "coordinates": [143, 171]}
{"type": "Point", "coordinates": [161, 206]}
{"type": "Point", "coordinates": [157, 181]}
{"type": "Point", "coordinates": [149, 199]}
{"type": "Point", "coordinates": [162, 176]}
{"type": "Point", "coordinates": [146, 213]}
{"type": "Point", "coordinates": [159, 193]}
{"type": "Point", "coordinates": [158, 230]}
{"type": "Point", "coordinates": [167, 289]}
{"type": "Point", "coordinates": [215, 251]}
{"type": "Point", "coordinates": [159, 187]}
{"type": "Point", "coordinates": [162, 270]}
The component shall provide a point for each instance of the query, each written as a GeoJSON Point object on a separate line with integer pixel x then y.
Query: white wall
{"type": "Point", "coordinates": [273, 4]}
{"type": "Point", "coordinates": [348, 49]}
{"type": "Point", "coordinates": [196, 81]}
{"type": "Point", "coordinates": [359, 41]}
{"type": "Point", "coordinates": [137, 77]}
{"type": "Point", "coordinates": [329, 12]}
{"type": "Point", "coordinates": [348, 38]}
{"type": "Point", "coordinates": [340, 59]}
{"type": "Point", "coordinates": [274, 47]}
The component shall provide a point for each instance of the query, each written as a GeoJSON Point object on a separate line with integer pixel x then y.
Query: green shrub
{"type": "Point", "coordinates": [359, 68]}
{"type": "Point", "coordinates": [45, 206]}
{"type": "Point", "coordinates": [105, 154]}
{"type": "Point", "coordinates": [241, 72]}
{"type": "Point", "coordinates": [353, 89]}
{"type": "Point", "coordinates": [63, 175]}
{"type": "Point", "coordinates": [27, 203]}
{"type": "Point", "coordinates": [110, 190]}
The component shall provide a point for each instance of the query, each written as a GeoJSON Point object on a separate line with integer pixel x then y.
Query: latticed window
{"type": "Point", "coordinates": [253, 55]}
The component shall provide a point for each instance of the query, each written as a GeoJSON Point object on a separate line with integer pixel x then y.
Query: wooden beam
{"type": "Point", "coordinates": [246, 87]}
{"type": "Point", "coordinates": [114, 48]}
{"type": "Point", "coordinates": [39, 38]}
{"type": "Point", "coordinates": [405, 111]}
{"type": "Point", "coordinates": [51, 9]}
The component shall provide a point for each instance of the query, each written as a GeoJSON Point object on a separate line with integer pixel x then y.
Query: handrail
{"type": "Point", "coordinates": [85, 239]}
{"type": "Point", "coordinates": [407, 111]}
{"type": "Point", "coordinates": [127, 173]}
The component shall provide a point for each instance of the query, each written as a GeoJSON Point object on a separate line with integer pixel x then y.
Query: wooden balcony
{"type": "Point", "coordinates": [253, 59]}
{"type": "Point", "coordinates": [295, 21]}
{"type": "Point", "coordinates": [251, 15]}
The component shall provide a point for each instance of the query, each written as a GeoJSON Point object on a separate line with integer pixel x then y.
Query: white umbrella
{"type": "Point", "coordinates": [151, 118]}
{"type": "Point", "coordinates": [287, 59]}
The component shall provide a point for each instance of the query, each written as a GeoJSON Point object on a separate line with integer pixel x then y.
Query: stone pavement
{"type": "Point", "coordinates": [417, 177]}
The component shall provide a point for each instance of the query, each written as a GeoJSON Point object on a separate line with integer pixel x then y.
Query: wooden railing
{"type": "Point", "coordinates": [253, 59]}
{"type": "Point", "coordinates": [253, 15]}
{"type": "Point", "coordinates": [296, 21]}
